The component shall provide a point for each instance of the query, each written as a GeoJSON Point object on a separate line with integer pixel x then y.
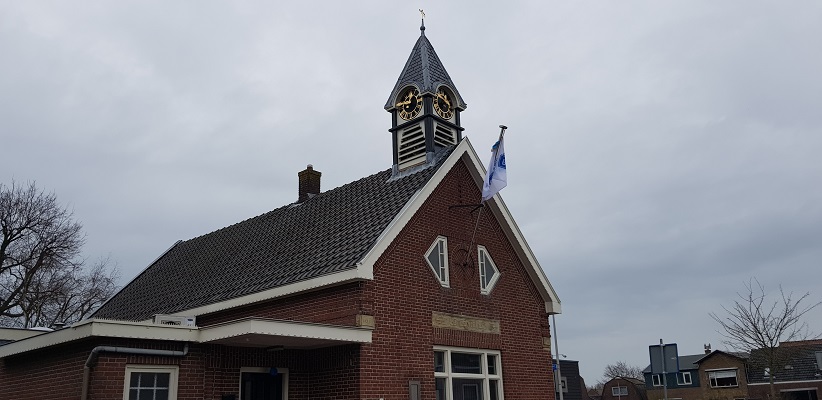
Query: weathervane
{"type": "Point", "coordinates": [422, 13]}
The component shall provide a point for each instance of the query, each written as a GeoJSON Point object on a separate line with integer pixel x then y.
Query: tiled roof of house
{"type": "Point", "coordinates": [635, 381]}
{"type": "Point", "coordinates": [326, 234]}
{"type": "Point", "coordinates": [685, 363]}
{"type": "Point", "coordinates": [425, 70]}
{"type": "Point", "coordinates": [737, 354]}
{"type": "Point", "coordinates": [798, 363]}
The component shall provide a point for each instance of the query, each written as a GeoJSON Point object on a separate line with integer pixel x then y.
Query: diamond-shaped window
{"type": "Point", "coordinates": [437, 259]}
{"type": "Point", "coordinates": [489, 274]}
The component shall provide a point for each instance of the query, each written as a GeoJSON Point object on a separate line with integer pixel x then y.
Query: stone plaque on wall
{"type": "Point", "coordinates": [464, 323]}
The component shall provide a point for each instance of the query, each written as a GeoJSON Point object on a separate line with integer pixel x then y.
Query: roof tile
{"type": "Point", "coordinates": [326, 234]}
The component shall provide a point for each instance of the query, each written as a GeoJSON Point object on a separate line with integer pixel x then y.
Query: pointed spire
{"type": "Point", "coordinates": [422, 22]}
{"type": "Point", "coordinates": [423, 70]}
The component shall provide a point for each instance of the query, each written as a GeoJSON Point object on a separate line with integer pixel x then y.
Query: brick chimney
{"type": "Point", "coordinates": [309, 183]}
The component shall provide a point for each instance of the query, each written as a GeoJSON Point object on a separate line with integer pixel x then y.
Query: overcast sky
{"type": "Point", "coordinates": [660, 154]}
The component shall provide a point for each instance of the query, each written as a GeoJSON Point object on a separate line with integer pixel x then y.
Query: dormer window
{"type": "Point", "coordinates": [489, 274]}
{"type": "Point", "coordinates": [437, 259]}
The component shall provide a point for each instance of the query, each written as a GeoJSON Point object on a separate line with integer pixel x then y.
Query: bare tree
{"type": "Point", "coordinates": [43, 278]}
{"type": "Point", "coordinates": [620, 369]}
{"type": "Point", "coordinates": [756, 323]}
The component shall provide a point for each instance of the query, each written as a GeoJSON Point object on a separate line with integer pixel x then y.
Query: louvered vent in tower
{"type": "Point", "coordinates": [411, 146]}
{"type": "Point", "coordinates": [444, 136]}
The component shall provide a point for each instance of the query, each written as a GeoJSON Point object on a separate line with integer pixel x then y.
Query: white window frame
{"type": "Point", "coordinates": [656, 380]}
{"type": "Point", "coordinates": [257, 370]}
{"type": "Point", "coordinates": [486, 289]}
{"type": "Point", "coordinates": [618, 391]}
{"type": "Point", "coordinates": [563, 382]}
{"type": "Point", "coordinates": [484, 375]}
{"type": "Point", "coordinates": [443, 280]}
{"type": "Point", "coordinates": [680, 378]}
{"type": "Point", "coordinates": [172, 370]}
{"type": "Point", "coordinates": [712, 377]}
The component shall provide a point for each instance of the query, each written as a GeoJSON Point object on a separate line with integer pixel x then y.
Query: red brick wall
{"type": "Point", "coordinates": [405, 292]}
{"type": "Point", "coordinates": [719, 360]}
{"type": "Point", "coordinates": [207, 372]}
{"type": "Point", "coordinates": [52, 374]}
{"type": "Point", "coordinates": [57, 372]}
{"type": "Point", "coordinates": [764, 391]}
{"type": "Point", "coordinates": [635, 391]}
{"type": "Point", "coordinates": [315, 374]}
{"type": "Point", "coordinates": [337, 305]}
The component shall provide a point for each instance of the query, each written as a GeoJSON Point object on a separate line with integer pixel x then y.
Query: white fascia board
{"type": "Point", "coordinates": [284, 328]}
{"type": "Point", "coordinates": [339, 278]}
{"type": "Point", "coordinates": [465, 151]}
{"type": "Point", "coordinates": [20, 333]}
{"type": "Point", "coordinates": [366, 265]}
{"type": "Point", "coordinates": [411, 207]}
{"type": "Point", "coordinates": [101, 328]}
{"type": "Point", "coordinates": [553, 305]}
{"type": "Point", "coordinates": [788, 383]}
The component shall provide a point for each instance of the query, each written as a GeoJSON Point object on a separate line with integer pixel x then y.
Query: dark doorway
{"type": "Point", "coordinates": [261, 386]}
{"type": "Point", "coordinates": [800, 395]}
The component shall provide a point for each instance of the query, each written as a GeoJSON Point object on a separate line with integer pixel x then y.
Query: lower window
{"type": "Point", "coordinates": [153, 382]}
{"type": "Point", "coordinates": [467, 374]}
{"type": "Point", "coordinates": [656, 380]}
{"type": "Point", "coordinates": [619, 390]}
{"type": "Point", "coordinates": [723, 378]}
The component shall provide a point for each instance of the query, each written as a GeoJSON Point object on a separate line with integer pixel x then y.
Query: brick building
{"type": "Point", "coordinates": [684, 384]}
{"type": "Point", "coordinates": [620, 388]}
{"type": "Point", "coordinates": [722, 375]}
{"type": "Point", "coordinates": [398, 285]}
{"type": "Point", "coordinates": [797, 374]}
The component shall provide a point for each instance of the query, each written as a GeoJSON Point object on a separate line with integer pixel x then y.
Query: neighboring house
{"type": "Point", "coordinates": [594, 394]}
{"type": "Point", "coordinates": [395, 286]}
{"type": "Point", "coordinates": [624, 389]}
{"type": "Point", "coordinates": [684, 384]}
{"type": "Point", "coordinates": [573, 387]}
{"type": "Point", "coordinates": [585, 393]}
{"type": "Point", "coordinates": [798, 378]}
{"type": "Point", "coordinates": [722, 375]}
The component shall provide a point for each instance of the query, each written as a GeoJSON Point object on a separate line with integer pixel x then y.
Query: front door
{"type": "Point", "coordinates": [804, 394]}
{"type": "Point", "coordinates": [261, 386]}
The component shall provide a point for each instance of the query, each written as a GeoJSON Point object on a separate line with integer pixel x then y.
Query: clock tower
{"type": "Point", "coordinates": [425, 108]}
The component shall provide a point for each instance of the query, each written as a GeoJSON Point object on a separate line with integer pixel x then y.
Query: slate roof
{"type": "Point", "coordinates": [800, 363]}
{"type": "Point", "coordinates": [425, 70]}
{"type": "Point", "coordinates": [738, 354]}
{"type": "Point", "coordinates": [685, 363]}
{"type": "Point", "coordinates": [326, 234]}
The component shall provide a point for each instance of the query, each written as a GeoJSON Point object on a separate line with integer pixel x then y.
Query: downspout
{"type": "Point", "coordinates": [556, 350]}
{"type": "Point", "coordinates": [92, 359]}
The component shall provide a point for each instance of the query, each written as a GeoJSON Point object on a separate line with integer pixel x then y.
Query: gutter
{"type": "Point", "coordinates": [92, 359]}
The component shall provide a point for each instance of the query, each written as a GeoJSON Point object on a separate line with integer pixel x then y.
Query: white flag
{"type": "Point", "coordinates": [497, 177]}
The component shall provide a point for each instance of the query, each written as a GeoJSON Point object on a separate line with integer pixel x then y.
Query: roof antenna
{"type": "Point", "coordinates": [422, 24]}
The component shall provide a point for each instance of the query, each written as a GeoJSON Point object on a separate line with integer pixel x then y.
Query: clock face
{"type": "Point", "coordinates": [442, 104]}
{"type": "Point", "coordinates": [409, 103]}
